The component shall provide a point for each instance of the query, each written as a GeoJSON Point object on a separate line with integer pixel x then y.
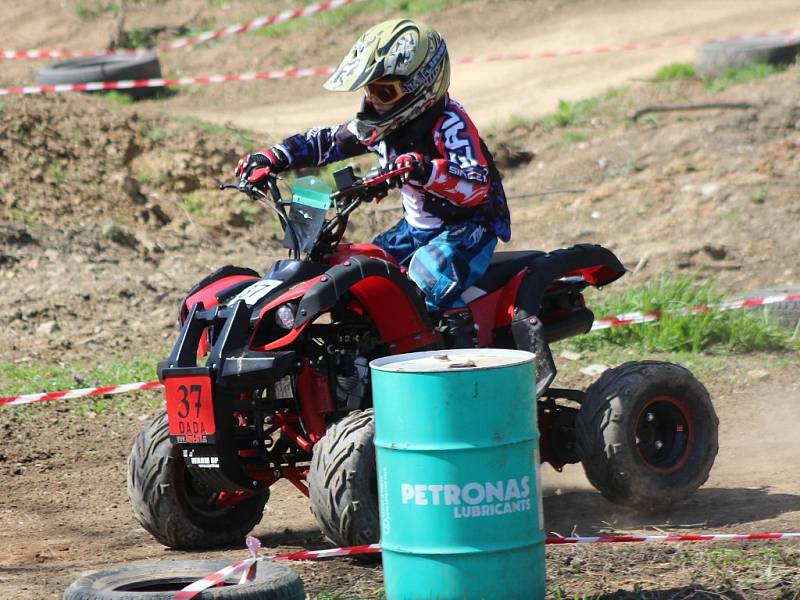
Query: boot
{"type": "Point", "coordinates": [528, 335]}
{"type": "Point", "coordinates": [458, 329]}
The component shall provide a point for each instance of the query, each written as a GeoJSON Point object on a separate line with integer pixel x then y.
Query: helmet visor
{"type": "Point", "coordinates": [384, 91]}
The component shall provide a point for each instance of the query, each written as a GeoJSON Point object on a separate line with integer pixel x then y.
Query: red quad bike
{"type": "Point", "coordinates": [285, 388]}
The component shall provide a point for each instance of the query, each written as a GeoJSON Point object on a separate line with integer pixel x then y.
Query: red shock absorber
{"type": "Point", "coordinates": [315, 400]}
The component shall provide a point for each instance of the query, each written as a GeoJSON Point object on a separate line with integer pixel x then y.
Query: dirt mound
{"type": "Point", "coordinates": [77, 158]}
{"type": "Point", "coordinates": [709, 193]}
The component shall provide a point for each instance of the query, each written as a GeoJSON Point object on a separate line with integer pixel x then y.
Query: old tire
{"type": "Point", "coordinates": [647, 434]}
{"type": "Point", "coordinates": [160, 581]}
{"type": "Point", "coordinates": [714, 58]}
{"type": "Point", "coordinates": [175, 509]}
{"type": "Point", "coordinates": [104, 68]}
{"type": "Point", "coordinates": [342, 481]}
{"type": "Point", "coordinates": [786, 314]}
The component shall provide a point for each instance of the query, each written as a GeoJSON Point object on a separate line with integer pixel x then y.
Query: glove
{"type": "Point", "coordinates": [420, 168]}
{"type": "Point", "coordinates": [255, 167]}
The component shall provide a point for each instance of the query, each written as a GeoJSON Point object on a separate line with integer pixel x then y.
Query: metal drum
{"type": "Point", "coordinates": [458, 475]}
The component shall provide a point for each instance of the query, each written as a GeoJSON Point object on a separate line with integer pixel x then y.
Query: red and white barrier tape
{"type": "Point", "coordinates": [283, 17]}
{"type": "Point", "coordinates": [97, 86]}
{"type": "Point", "coordinates": [213, 579]}
{"type": "Point", "coordinates": [634, 318]}
{"type": "Point", "coordinates": [325, 71]}
{"type": "Point", "coordinates": [97, 391]}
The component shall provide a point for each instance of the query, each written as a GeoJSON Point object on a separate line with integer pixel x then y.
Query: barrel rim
{"type": "Point", "coordinates": [516, 358]}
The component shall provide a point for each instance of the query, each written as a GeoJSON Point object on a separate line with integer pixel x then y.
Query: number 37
{"type": "Point", "coordinates": [186, 396]}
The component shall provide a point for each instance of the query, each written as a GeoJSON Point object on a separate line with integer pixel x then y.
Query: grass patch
{"type": "Point", "coordinates": [86, 10]}
{"type": "Point", "coordinates": [26, 217]}
{"type": "Point", "coordinates": [579, 111]}
{"type": "Point", "coordinates": [58, 172]}
{"type": "Point", "coordinates": [120, 98]}
{"type": "Point", "coordinates": [750, 72]}
{"type": "Point", "coordinates": [244, 138]}
{"type": "Point", "coordinates": [568, 138]}
{"type": "Point", "coordinates": [34, 377]}
{"type": "Point", "coordinates": [730, 331]}
{"type": "Point", "coordinates": [345, 14]}
{"type": "Point", "coordinates": [675, 71]}
{"type": "Point", "coordinates": [195, 204]}
{"type": "Point", "coordinates": [760, 195]}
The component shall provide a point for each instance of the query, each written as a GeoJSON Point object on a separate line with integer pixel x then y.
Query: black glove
{"type": "Point", "coordinates": [255, 167]}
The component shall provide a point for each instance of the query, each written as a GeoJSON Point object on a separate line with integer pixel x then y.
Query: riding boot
{"type": "Point", "coordinates": [458, 329]}
{"type": "Point", "coordinates": [528, 335]}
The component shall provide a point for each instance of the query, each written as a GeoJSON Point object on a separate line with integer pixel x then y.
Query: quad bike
{"type": "Point", "coordinates": [284, 392]}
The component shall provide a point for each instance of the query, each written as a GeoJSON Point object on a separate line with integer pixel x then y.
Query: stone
{"type": "Point", "coordinates": [594, 370]}
{"type": "Point", "coordinates": [47, 328]}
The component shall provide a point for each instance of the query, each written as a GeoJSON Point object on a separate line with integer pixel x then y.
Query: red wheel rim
{"type": "Point", "coordinates": [664, 434]}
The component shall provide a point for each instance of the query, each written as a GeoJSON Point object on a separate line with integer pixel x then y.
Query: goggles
{"type": "Point", "coordinates": [385, 92]}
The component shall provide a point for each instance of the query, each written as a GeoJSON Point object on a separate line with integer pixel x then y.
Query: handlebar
{"type": "Point", "coordinates": [375, 184]}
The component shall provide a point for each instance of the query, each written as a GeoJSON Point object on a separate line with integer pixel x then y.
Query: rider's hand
{"type": "Point", "coordinates": [254, 168]}
{"type": "Point", "coordinates": [420, 168]}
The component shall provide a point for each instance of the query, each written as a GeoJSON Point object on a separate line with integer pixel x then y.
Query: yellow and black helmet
{"type": "Point", "coordinates": [408, 59]}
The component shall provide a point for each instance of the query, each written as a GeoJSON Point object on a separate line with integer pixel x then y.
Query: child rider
{"type": "Point", "coordinates": [453, 200]}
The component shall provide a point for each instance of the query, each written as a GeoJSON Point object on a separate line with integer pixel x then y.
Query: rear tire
{"type": "Point", "coordinates": [714, 58]}
{"type": "Point", "coordinates": [160, 582]}
{"type": "Point", "coordinates": [647, 434]}
{"type": "Point", "coordinates": [785, 314]}
{"type": "Point", "coordinates": [105, 68]}
{"type": "Point", "coordinates": [342, 481]}
{"type": "Point", "coordinates": [176, 510]}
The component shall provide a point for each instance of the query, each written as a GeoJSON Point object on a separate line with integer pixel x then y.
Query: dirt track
{"type": "Point", "coordinates": [64, 508]}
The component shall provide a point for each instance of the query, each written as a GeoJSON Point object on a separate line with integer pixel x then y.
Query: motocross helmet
{"type": "Point", "coordinates": [402, 63]}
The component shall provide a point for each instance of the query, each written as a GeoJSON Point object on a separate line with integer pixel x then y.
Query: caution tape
{"type": "Point", "coordinates": [325, 71]}
{"type": "Point", "coordinates": [213, 579]}
{"type": "Point", "coordinates": [98, 86]}
{"type": "Point", "coordinates": [621, 320]}
{"type": "Point", "coordinates": [635, 318]}
{"type": "Point", "coordinates": [258, 23]}
{"type": "Point", "coordinates": [81, 393]}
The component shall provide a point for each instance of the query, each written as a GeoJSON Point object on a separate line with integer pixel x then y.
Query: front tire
{"type": "Point", "coordinates": [172, 506]}
{"type": "Point", "coordinates": [342, 481]}
{"type": "Point", "coordinates": [647, 434]}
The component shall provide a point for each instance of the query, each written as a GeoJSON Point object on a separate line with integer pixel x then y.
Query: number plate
{"type": "Point", "coordinates": [190, 409]}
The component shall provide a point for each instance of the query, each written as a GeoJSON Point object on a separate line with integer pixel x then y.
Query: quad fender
{"type": "Point", "coordinates": [390, 299]}
{"type": "Point", "coordinates": [213, 289]}
{"type": "Point", "coordinates": [597, 265]}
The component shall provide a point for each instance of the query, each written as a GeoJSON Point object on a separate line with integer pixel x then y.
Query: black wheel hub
{"type": "Point", "coordinates": [664, 434]}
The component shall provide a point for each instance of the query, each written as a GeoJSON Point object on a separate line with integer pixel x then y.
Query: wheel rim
{"type": "Point", "coordinates": [664, 434]}
{"type": "Point", "coordinates": [200, 499]}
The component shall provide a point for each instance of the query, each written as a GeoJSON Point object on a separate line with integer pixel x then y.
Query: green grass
{"type": "Point", "coordinates": [35, 377]}
{"type": "Point", "coordinates": [87, 10]}
{"type": "Point", "coordinates": [715, 331]}
{"type": "Point", "coordinates": [245, 139]}
{"type": "Point", "coordinates": [58, 173]}
{"type": "Point", "coordinates": [568, 138]}
{"type": "Point", "coordinates": [750, 72]}
{"type": "Point", "coordinates": [576, 112]}
{"type": "Point", "coordinates": [760, 195]}
{"type": "Point", "coordinates": [340, 16]}
{"type": "Point", "coordinates": [675, 71]}
{"type": "Point", "coordinates": [2, 106]}
{"type": "Point", "coordinates": [116, 97]}
{"type": "Point", "coordinates": [195, 204]}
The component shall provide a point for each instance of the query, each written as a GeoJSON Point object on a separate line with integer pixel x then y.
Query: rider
{"type": "Point", "coordinates": [453, 200]}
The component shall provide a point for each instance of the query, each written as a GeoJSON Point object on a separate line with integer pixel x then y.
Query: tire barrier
{"type": "Point", "coordinates": [94, 86]}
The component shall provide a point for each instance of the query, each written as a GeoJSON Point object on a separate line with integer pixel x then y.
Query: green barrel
{"type": "Point", "coordinates": [458, 464]}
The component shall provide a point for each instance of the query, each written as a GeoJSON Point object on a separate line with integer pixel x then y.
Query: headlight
{"type": "Point", "coordinates": [284, 316]}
